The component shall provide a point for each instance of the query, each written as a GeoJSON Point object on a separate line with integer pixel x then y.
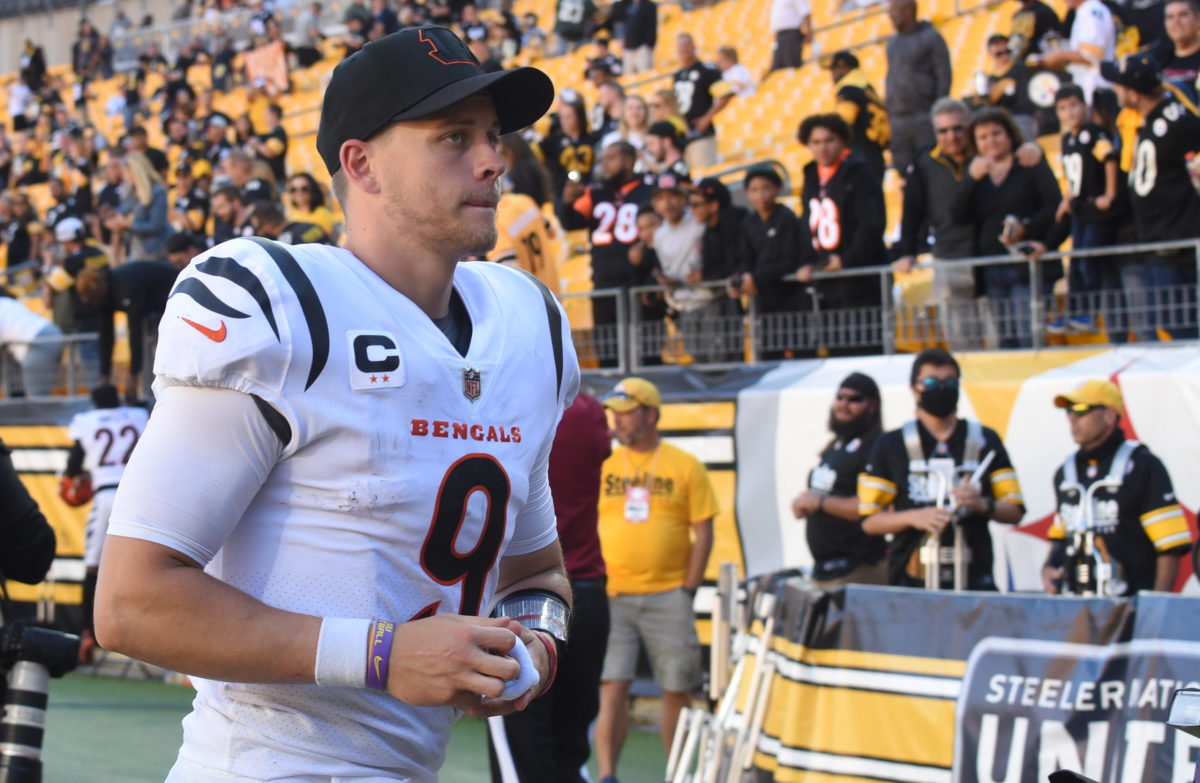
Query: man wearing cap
{"type": "Point", "coordinates": [862, 109]}
{"type": "Point", "coordinates": [71, 313]}
{"type": "Point", "coordinates": [216, 144]}
{"type": "Point", "coordinates": [677, 247]}
{"type": "Point", "coordinates": [842, 552]}
{"type": "Point", "coordinates": [1165, 204]}
{"type": "Point", "coordinates": [1139, 524]}
{"type": "Point", "coordinates": [711, 205]}
{"type": "Point", "coordinates": [656, 510]}
{"type": "Point", "coordinates": [367, 433]}
{"type": "Point", "coordinates": [666, 148]}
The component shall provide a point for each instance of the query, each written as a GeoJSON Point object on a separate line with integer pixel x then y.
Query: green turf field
{"type": "Point", "coordinates": [106, 730]}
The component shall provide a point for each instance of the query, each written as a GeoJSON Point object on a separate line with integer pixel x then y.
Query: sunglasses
{"type": "Point", "coordinates": [951, 129]}
{"type": "Point", "coordinates": [299, 189]}
{"type": "Point", "coordinates": [1082, 409]}
{"type": "Point", "coordinates": [938, 383]}
{"type": "Point", "coordinates": [852, 398]}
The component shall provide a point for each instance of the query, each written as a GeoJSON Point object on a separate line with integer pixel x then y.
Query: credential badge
{"type": "Point", "coordinates": [472, 388]}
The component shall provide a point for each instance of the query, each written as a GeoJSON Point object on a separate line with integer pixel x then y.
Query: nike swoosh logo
{"type": "Point", "coordinates": [378, 660]}
{"type": "Point", "coordinates": [216, 335]}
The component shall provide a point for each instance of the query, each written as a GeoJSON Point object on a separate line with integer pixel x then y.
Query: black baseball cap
{"type": "Point", "coordinates": [1137, 71]}
{"type": "Point", "coordinates": [669, 181]}
{"type": "Point", "coordinates": [843, 59]}
{"type": "Point", "coordinates": [414, 73]}
{"type": "Point", "coordinates": [665, 129]}
{"type": "Point", "coordinates": [712, 189]}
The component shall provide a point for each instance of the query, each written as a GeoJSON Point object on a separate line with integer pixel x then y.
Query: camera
{"type": "Point", "coordinates": [30, 656]}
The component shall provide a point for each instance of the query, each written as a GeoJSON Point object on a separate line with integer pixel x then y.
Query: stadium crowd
{"type": "Point", "coordinates": [640, 172]}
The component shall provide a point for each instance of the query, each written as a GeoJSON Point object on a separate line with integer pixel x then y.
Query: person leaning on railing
{"type": "Point", "coordinates": [1008, 204]}
{"type": "Point", "coordinates": [1165, 204]}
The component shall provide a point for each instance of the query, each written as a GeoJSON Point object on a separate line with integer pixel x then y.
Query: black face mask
{"type": "Point", "coordinates": [940, 400]}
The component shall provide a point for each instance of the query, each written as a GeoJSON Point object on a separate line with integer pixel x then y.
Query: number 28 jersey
{"type": "Point", "coordinates": [107, 436]}
{"type": "Point", "coordinates": [404, 478]}
{"type": "Point", "coordinates": [610, 215]}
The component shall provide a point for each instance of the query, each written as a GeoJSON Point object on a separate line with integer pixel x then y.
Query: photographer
{"type": "Point", "coordinates": [27, 542]}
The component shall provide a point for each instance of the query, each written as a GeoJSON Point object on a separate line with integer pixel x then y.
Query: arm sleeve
{"type": "Point", "coordinates": [913, 212]}
{"type": "Point", "coordinates": [941, 65]}
{"type": "Point", "coordinates": [1158, 510]}
{"type": "Point", "coordinates": [1001, 480]}
{"type": "Point", "coordinates": [156, 216]}
{"type": "Point", "coordinates": [163, 498]}
{"type": "Point", "coordinates": [877, 483]}
{"type": "Point", "coordinates": [28, 540]}
{"type": "Point", "coordinates": [870, 221]}
{"type": "Point", "coordinates": [1048, 197]}
{"type": "Point", "coordinates": [74, 460]}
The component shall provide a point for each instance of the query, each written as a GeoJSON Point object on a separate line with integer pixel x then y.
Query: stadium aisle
{"type": "Point", "coordinates": [107, 730]}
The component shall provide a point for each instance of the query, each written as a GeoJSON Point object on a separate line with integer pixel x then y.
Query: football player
{"type": "Point", "coordinates": [346, 472]}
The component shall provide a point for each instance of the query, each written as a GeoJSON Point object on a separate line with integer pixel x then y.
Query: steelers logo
{"type": "Point", "coordinates": [1042, 87]}
{"type": "Point", "coordinates": [1160, 127]}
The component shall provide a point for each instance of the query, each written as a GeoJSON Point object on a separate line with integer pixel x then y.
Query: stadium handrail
{"type": "Point", "coordinates": [627, 327]}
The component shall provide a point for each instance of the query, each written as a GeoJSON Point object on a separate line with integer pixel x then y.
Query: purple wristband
{"type": "Point", "coordinates": [379, 652]}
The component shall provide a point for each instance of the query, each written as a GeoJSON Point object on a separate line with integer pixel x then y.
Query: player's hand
{"type": "Point", "coordinates": [541, 661]}
{"type": "Point", "coordinates": [451, 659]}
{"type": "Point", "coordinates": [805, 503]}
{"type": "Point", "coordinates": [1051, 579]}
{"type": "Point", "coordinates": [903, 264]}
{"type": "Point", "coordinates": [931, 519]}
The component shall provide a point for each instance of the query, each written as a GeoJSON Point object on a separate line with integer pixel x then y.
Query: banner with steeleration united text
{"type": "Point", "coordinates": [905, 685]}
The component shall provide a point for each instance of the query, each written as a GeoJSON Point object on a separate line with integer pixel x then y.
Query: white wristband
{"type": "Point", "coordinates": [342, 652]}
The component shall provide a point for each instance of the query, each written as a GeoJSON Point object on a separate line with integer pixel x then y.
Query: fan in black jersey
{"type": "Point", "coordinates": [1164, 200]}
{"type": "Point", "coordinates": [567, 150]}
{"type": "Point", "coordinates": [898, 498]}
{"type": "Point", "coordinates": [842, 552]}
{"type": "Point", "coordinates": [862, 108]}
{"type": "Point", "coordinates": [1179, 52]}
{"type": "Point", "coordinates": [189, 202]}
{"type": "Point", "coordinates": [700, 98]}
{"type": "Point", "coordinates": [1091, 170]}
{"type": "Point", "coordinates": [1139, 526]}
{"type": "Point", "coordinates": [845, 217]}
{"type": "Point", "coordinates": [665, 146]}
{"type": "Point", "coordinates": [609, 211]}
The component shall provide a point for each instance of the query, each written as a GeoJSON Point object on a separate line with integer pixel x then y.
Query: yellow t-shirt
{"type": "Point", "coordinates": [652, 556]}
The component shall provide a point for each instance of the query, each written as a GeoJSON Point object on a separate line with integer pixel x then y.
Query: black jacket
{"type": "Point", "coordinates": [140, 289]}
{"type": "Point", "coordinates": [930, 183]}
{"type": "Point", "coordinates": [1028, 193]}
{"type": "Point", "coordinates": [641, 24]}
{"type": "Point", "coordinates": [769, 250]}
{"type": "Point", "coordinates": [720, 245]}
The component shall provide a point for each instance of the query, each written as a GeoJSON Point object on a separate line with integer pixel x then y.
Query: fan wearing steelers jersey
{"type": "Point", "coordinates": [338, 520]}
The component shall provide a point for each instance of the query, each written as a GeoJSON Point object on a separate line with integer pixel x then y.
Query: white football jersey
{"type": "Point", "coordinates": [402, 483]}
{"type": "Point", "coordinates": [107, 436]}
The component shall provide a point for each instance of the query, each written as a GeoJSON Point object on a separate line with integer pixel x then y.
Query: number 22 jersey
{"type": "Point", "coordinates": [404, 478]}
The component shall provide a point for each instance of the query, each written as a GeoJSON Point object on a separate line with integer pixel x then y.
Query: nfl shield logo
{"type": "Point", "coordinates": [471, 385]}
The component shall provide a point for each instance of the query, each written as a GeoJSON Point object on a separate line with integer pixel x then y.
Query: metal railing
{"type": "Point", "coordinates": [718, 334]}
{"type": "Point", "coordinates": [66, 365]}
